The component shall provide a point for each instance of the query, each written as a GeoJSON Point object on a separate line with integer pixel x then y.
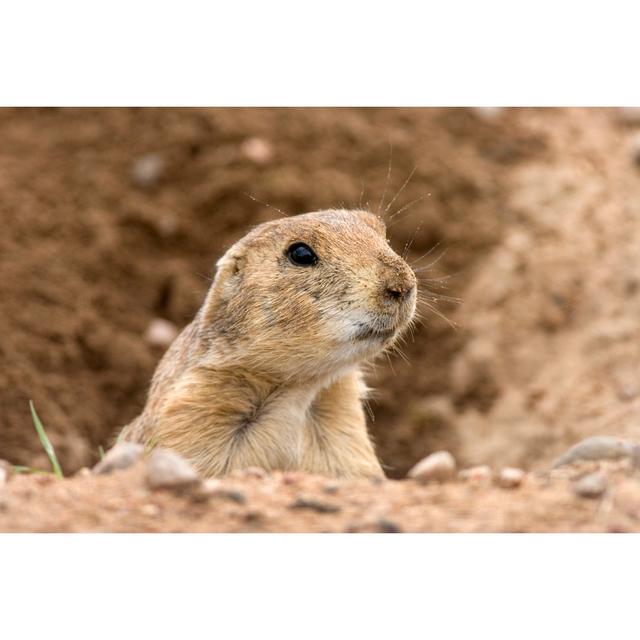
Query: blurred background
{"type": "Point", "coordinates": [112, 220]}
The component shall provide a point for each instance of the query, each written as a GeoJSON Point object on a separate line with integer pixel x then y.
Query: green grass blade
{"type": "Point", "coordinates": [18, 468]}
{"type": "Point", "coordinates": [46, 443]}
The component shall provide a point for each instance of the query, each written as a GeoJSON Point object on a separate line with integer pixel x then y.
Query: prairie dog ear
{"type": "Point", "coordinates": [231, 263]}
{"type": "Point", "coordinates": [229, 271]}
{"type": "Point", "coordinates": [371, 220]}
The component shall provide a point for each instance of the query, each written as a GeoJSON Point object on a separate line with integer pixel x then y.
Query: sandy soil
{"type": "Point", "coordinates": [115, 217]}
{"type": "Point", "coordinates": [293, 502]}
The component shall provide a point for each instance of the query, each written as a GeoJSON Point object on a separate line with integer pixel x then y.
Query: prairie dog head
{"type": "Point", "coordinates": [310, 294]}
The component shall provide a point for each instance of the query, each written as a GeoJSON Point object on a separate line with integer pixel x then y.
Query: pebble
{"type": "Point", "coordinates": [479, 473]}
{"type": "Point", "coordinates": [257, 150]}
{"type": "Point", "coordinates": [596, 448]}
{"type": "Point", "coordinates": [122, 456]}
{"type": "Point", "coordinates": [439, 466]}
{"type": "Point", "coordinates": [331, 488]}
{"type": "Point", "coordinates": [374, 525]}
{"type": "Point", "coordinates": [388, 526]}
{"type": "Point", "coordinates": [206, 489]}
{"type": "Point", "coordinates": [314, 505]}
{"type": "Point", "coordinates": [253, 515]}
{"type": "Point", "coordinates": [147, 170]}
{"type": "Point", "coordinates": [213, 488]}
{"type": "Point", "coordinates": [168, 224]}
{"type": "Point", "coordinates": [592, 485]}
{"type": "Point", "coordinates": [165, 469]}
{"type": "Point", "coordinates": [234, 495]}
{"type": "Point", "coordinates": [211, 485]}
{"type": "Point", "coordinates": [161, 333]}
{"type": "Point", "coordinates": [291, 477]}
{"type": "Point", "coordinates": [488, 113]}
{"type": "Point", "coordinates": [510, 477]}
{"type": "Point", "coordinates": [6, 471]}
{"type": "Point", "coordinates": [150, 510]}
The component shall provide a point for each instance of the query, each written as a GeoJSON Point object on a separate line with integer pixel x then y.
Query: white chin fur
{"type": "Point", "coordinates": [360, 332]}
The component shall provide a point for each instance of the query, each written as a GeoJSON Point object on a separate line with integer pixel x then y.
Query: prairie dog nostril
{"type": "Point", "coordinates": [398, 292]}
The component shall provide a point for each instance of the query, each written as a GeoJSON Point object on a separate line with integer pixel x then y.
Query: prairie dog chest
{"type": "Point", "coordinates": [274, 436]}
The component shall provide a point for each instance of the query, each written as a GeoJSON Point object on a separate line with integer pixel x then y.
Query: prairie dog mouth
{"type": "Point", "coordinates": [369, 332]}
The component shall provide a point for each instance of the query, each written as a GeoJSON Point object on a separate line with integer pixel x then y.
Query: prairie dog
{"type": "Point", "coordinates": [267, 374]}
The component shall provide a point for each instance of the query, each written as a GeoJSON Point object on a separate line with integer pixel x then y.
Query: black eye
{"type": "Point", "coordinates": [302, 255]}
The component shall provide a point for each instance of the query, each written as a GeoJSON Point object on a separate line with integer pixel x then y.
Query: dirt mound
{"type": "Point", "coordinates": [552, 312]}
{"type": "Point", "coordinates": [297, 502]}
{"type": "Point", "coordinates": [114, 217]}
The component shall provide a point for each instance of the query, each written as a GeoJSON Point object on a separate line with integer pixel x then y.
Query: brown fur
{"type": "Point", "coordinates": [267, 374]}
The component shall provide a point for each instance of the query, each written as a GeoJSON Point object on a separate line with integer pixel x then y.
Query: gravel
{"type": "Point", "coordinates": [510, 477]}
{"type": "Point", "coordinates": [480, 473]}
{"type": "Point", "coordinates": [592, 485]}
{"type": "Point", "coordinates": [596, 448]}
{"type": "Point", "coordinates": [122, 456]}
{"type": "Point", "coordinates": [314, 505]}
{"type": "Point", "coordinates": [166, 469]}
{"type": "Point", "coordinates": [6, 470]}
{"type": "Point", "coordinates": [147, 170]}
{"type": "Point", "coordinates": [331, 488]}
{"type": "Point", "coordinates": [257, 150]}
{"type": "Point", "coordinates": [161, 333]}
{"type": "Point", "coordinates": [388, 526]}
{"type": "Point", "coordinates": [439, 467]}
{"type": "Point", "coordinates": [233, 495]}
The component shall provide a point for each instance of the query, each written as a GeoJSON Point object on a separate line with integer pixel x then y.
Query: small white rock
{"type": "Point", "coordinates": [161, 333]}
{"type": "Point", "coordinates": [150, 510]}
{"type": "Point", "coordinates": [510, 477]}
{"type": "Point", "coordinates": [168, 224]}
{"type": "Point", "coordinates": [479, 473]}
{"type": "Point", "coordinates": [167, 469]}
{"type": "Point", "coordinates": [121, 456]}
{"type": "Point", "coordinates": [439, 466]}
{"type": "Point", "coordinates": [331, 487]}
{"type": "Point", "coordinates": [590, 486]}
{"type": "Point", "coordinates": [489, 113]}
{"type": "Point", "coordinates": [257, 150]}
{"type": "Point", "coordinates": [596, 448]}
{"type": "Point", "coordinates": [6, 471]}
{"type": "Point", "coordinates": [147, 170]}
{"type": "Point", "coordinates": [211, 485]}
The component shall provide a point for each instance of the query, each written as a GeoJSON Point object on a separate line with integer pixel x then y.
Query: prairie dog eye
{"type": "Point", "coordinates": [302, 255]}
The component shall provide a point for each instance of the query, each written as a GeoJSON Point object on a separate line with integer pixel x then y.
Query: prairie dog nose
{"type": "Point", "coordinates": [399, 290]}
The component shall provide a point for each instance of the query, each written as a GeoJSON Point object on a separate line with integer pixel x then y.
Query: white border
{"type": "Point", "coordinates": [319, 586]}
{"type": "Point", "coordinates": [286, 53]}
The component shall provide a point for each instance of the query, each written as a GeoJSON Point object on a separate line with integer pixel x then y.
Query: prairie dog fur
{"type": "Point", "coordinates": [268, 373]}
